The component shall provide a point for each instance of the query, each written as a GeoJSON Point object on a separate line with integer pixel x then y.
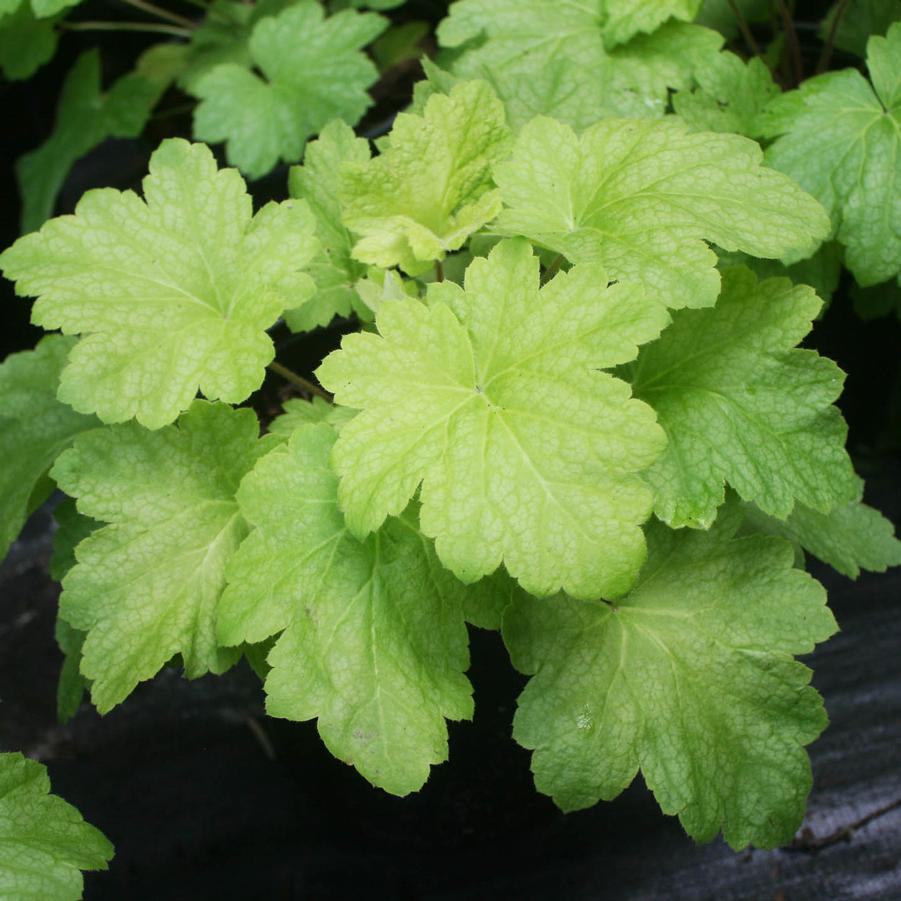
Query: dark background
{"type": "Point", "coordinates": [205, 798]}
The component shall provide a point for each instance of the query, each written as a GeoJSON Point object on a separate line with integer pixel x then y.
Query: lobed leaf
{"type": "Point", "coordinates": [740, 404]}
{"type": "Point", "coordinates": [44, 841]}
{"type": "Point", "coordinates": [690, 679]}
{"type": "Point", "coordinates": [492, 398]}
{"type": "Point", "coordinates": [430, 188]}
{"type": "Point", "coordinates": [839, 137]}
{"type": "Point", "coordinates": [641, 197]}
{"type": "Point", "coordinates": [373, 642]}
{"type": "Point", "coordinates": [147, 584]}
{"type": "Point", "coordinates": [172, 293]}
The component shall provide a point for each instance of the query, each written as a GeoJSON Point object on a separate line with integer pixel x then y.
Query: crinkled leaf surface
{"type": "Point", "coordinates": [740, 405]}
{"type": "Point", "coordinates": [314, 71]}
{"type": "Point", "coordinates": [690, 679]}
{"type": "Point", "coordinates": [170, 294]}
{"type": "Point", "coordinates": [730, 95]}
{"type": "Point", "coordinates": [547, 57]}
{"type": "Point", "coordinates": [304, 412]}
{"type": "Point", "coordinates": [849, 538]}
{"type": "Point", "coordinates": [34, 427]}
{"type": "Point", "coordinates": [821, 271]}
{"type": "Point", "coordinates": [492, 398]}
{"type": "Point", "coordinates": [44, 841]}
{"type": "Point", "coordinates": [333, 269]}
{"type": "Point", "coordinates": [431, 188]}
{"type": "Point", "coordinates": [147, 584]}
{"type": "Point", "coordinates": [374, 641]}
{"type": "Point", "coordinates": [642, 197]}
{"type": "Point", "coordinates": [85, 116]}
{"type": "Point", "coordinates": [840, 138]}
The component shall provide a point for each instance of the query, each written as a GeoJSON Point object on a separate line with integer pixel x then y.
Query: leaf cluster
{"type": "Point", "coordinates": [575, 405]}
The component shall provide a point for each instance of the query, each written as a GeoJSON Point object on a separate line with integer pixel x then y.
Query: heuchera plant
{"type": "Point", "coordinates": [575, 409]}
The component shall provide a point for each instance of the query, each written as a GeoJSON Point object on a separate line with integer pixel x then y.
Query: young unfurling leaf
{"type": "Point", "coordinates": [431, 187]}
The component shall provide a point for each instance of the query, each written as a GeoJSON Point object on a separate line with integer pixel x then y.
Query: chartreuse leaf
{"type": "Point", "coordinates": [690, 679]}
{"type": "Point", "coordinates": [740, 405]}
{"type": "Point", "coordinates": [303, 412]}
{"type": "Point", "coordinates": [373, 638]}
{"type": "Point", "coordinates": [492, 398]}
{"type": "Point", "coordinates": [546, 57]}
{"type": "Point", "coordinates": [170, 294]}
{"type": "Point", "coordinates": [44, 841]}
{"type": "Point", "coordinates": [314, 71]}
{"type": "Point", "coordinates": [730, 95]}
{"type": "Point", "coordinates": [333, 269]}
{"type": "Point", "coordinates": [821, 271]}
{"type": "Point", "coordinates": [642, 197]}
{"type": "Point", "coordinates": [840, 138]}
{"type": "Point", "coordinates": [85, 116]}
{"type": "Point", "coordinates": [849, 538]}
{"type": "Point", "coordinates": [147, 584]}
{"type": "Point", "coordinates": [431, 188]}
{"type": "Point", "coordinates": [34, 428]}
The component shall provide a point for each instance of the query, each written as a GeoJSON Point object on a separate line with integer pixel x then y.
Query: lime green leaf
{"type": "Point", "coordinates": [624, 19]}
{"type": "Point", "coordinates": [313, 72]}
{"type": "Point", "coordinates": [841, 140]}
{"type": "Point", "coordinates": [147, 584]}
{"type": "Point", "coordinates": [861, 19]}
{"type": "Point", "coordinates": [172, 294]}
{"type": "Point", "coordinates": [85, 117]}
{"type": "Point", "coordinates": [544, 57]}
{"type": "Point", "coordinates": [492, 398]}
{"type": "Point", "coordinates": [44, 841]}
{"type": "Point", "coordinates": [564, 25]}
{"type": "Point", "coordinates": [821, 271]}
{"type": "Point", "coordinates": [374, 642]}
{"type": "Point", "coordinates": [642, 196]}
{"type": "Point", "coordinates": [849, 538]}
{"type": "Point", "coordinates": [223, 36]}
{"type": "Point", "coordinates": [730, 95]}
{"type": "Point", "coordinates": [431, 188]}
{"type": "Point", "coordinates": [303, 412]}
{"type": "Point", "coordinates": [334, 270]}
{"type": "Point", "coordinates": [26, 42]}
{"type": "Point", "coordinates": [740, 405]}
{"type": "Point", "coordinates": [34, 427]}
{"type": "Point", "coordinates": [690, 678]}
